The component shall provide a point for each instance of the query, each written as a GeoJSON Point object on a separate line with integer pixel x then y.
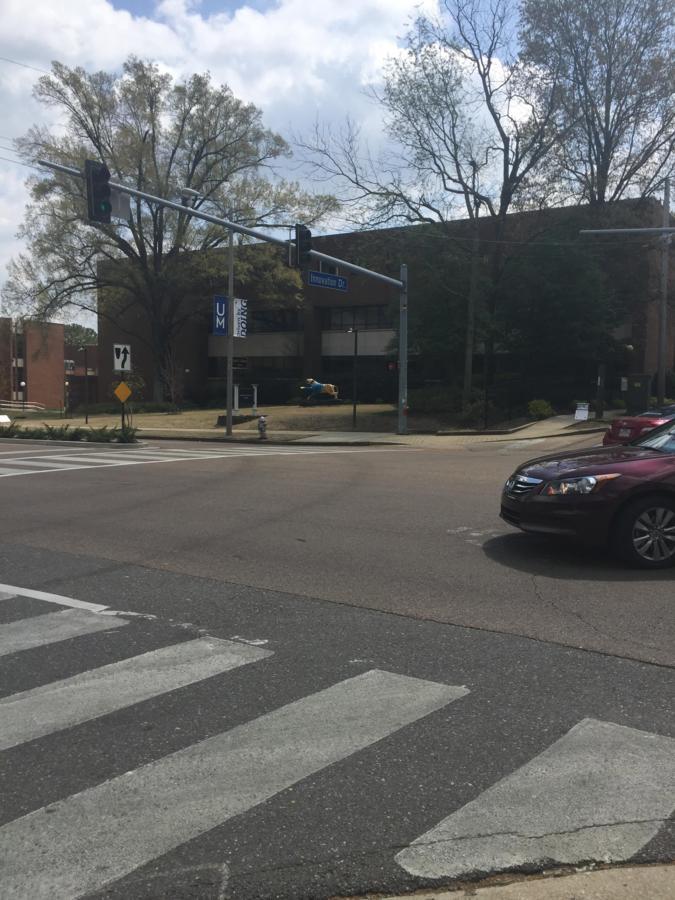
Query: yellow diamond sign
{"type": "Point", "coordinates": [122, 392]}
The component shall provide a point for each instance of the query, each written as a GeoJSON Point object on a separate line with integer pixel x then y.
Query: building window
{"type": "Point", "coordinates": [328, 268]}
{"type": "Point", "coordinates": [340, 318]}
{"type": "Point", "coordinates": [274, 320]}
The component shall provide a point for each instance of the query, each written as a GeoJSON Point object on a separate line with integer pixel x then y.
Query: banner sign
{"type": "Point", "coordinates": [220, 310]}
{"type": "Point", "coordinates": [240, 318]}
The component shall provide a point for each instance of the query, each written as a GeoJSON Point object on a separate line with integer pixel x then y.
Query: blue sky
{"type": "Point", "coordinates": [147, 8]}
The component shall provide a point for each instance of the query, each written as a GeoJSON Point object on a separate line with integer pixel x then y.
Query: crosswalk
{"type": "Point", "coordinates": [42, 462]}
{"type": "Point", "coordinates": [600, 791]}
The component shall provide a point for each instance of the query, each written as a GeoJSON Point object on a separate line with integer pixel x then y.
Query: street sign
{"type": "Point", "coordinates": [122, 357]}
{"type": "Point", "coordinates": [122, 392]}
{"type": "Point", "coordinates": [323, 280]}
{"type": "Point", "coordinates": [240, 362]}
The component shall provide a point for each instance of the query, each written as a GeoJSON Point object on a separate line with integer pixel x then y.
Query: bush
{"type": "Point", "coordinates": [540, 409]}
{"type": "Point", "coordinates": [439, 399]}
{"type": "Point", "coordinates": [116, 435]}
{"type": "Point", "coordinates": [475, 413]}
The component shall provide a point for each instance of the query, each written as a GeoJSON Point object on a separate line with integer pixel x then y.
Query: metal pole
{"type": "Point", "coordinates": [663, 301]}
{"type": "Point", "coordinates": [403, 354]}
{"type": "Point", "coordinates": [356, 355]}
{"type": "Point", "coordinates": [230, 335]}
{"type": "Point", "coordinates": [86, 389]}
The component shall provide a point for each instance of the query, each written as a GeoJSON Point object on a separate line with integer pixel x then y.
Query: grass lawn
{"type": "Point", "coordinates": [369, 417]}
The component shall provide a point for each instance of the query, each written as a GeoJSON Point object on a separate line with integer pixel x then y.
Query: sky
{"type": "Point", "coordinates": [297, 61]}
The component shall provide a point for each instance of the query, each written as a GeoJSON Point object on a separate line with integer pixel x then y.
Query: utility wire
{"type": "Point", "coordinates": [24, 65]}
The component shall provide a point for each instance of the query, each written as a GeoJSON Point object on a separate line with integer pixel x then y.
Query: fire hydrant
{"type": "Point", "coordinates": [262, 428]}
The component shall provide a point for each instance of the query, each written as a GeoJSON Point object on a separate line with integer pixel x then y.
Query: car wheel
{"type": "Point", "coordinates": [645, 533]}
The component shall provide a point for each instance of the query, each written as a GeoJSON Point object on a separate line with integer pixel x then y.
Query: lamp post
{"type": "Point", "coordinates": [22, 385]}
{"type": "Point", "coordinates": [66, 404]}
{"type": "Point", "coordinates": [86, 386]}
{"type": "Point", "coordinates": [355, 332]}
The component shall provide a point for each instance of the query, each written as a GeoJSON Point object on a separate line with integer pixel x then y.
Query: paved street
{"type": "Point", "coordinates": [271, 672]}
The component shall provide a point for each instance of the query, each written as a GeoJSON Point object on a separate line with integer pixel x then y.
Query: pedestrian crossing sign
{"type": "Point", "coordinates": [122, 392]}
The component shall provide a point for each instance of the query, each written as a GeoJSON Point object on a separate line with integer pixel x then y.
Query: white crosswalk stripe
{"type": "Point", "coordinates": [44, 463]}
{"type": "Point", "coordinates": [601, 792]}
{"type": "Point", "coordinates": [101, 834]}
{"type": "Point", "coordinates": [61, 704]}
{"type": "Point", "coordinates": [50, 628]}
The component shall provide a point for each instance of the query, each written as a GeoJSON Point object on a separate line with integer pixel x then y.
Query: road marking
{"type": "Point", "coordinates": [63, 462]}
{"type": "Point", "coordinates": [599, 793]}
{"type": "Point", "coordinates": [97, 692]}
{"type": "Point", "coordinates": [52, 628]}
{"type": "Point", "coordinates": [90, 839]}
{"type": "Point", "coordinates": [53, 598]}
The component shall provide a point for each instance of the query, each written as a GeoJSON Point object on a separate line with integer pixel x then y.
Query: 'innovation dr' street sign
{"type": "Point", "coordinates": [323, 280]}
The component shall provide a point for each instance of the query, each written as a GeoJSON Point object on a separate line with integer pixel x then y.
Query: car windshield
{"type": "Point", "coordinates": [651, 413]}
{"type": "Point", "coordinates": [662, 439]}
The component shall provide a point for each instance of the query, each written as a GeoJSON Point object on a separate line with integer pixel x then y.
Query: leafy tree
{"type": "Point", "coordinates": [79, 335]}
{"type": "Point", "coordinates": [615, 63]}
{"type": "Point", "coordinates": [158, 136]}
{"type": "Point", "coordinates": [467, 132]}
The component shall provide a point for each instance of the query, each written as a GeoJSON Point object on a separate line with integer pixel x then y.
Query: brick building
{"type": "Point", "coordinates": [32, 362]}
{"type": "Point", "coordinates": [284, 346]}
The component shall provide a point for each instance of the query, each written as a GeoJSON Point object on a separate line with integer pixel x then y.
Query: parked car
{"type": "Point", "coordinates": [627, 428]}
{"type": "Point", "coordinates": [622, 497]}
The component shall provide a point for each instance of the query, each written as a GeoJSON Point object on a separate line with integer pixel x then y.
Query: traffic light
{"type": "Point", "coordinates": [97, 176]}
{"type": "Point", "coordinates": [303, 244]}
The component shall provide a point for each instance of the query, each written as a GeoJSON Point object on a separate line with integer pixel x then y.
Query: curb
{"type": "Point", "coordinates": [487, 431]}
{"type": "Point", "coordinates": [48, 443]}
{"type": "Point", "coordinates": [301, 442]}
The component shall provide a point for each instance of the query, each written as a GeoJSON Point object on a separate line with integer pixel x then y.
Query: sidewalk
{"type": "Point", "coordinates": [557, 426]}
{"type": "Point", "coordinates": [653, 882]}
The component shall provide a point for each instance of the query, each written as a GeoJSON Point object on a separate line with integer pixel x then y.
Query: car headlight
{"type": "Point", "coordinates": [586, 484]}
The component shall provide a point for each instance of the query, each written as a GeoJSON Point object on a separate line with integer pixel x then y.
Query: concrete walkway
{"type": "Point", "coordinates": [630, 883]}
{"type": "Point", "coordinates": [557, 426]}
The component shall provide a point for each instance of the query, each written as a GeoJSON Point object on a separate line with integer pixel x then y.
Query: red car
{"type": "Point", "coordinates": [622, 497]}
{"type": "Point", "coordinates": [628, 428]}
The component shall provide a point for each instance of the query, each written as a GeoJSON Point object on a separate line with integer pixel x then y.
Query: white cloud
{"type": "Point", "coordinates": [295, 61]}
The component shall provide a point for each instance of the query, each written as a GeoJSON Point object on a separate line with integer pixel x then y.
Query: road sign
{"type": "Point", "coordinates": [122, 392]}
{"type": "Point", "coordinates": [323, 280]}
{"type": "Point", "coordinates": [122, 357]}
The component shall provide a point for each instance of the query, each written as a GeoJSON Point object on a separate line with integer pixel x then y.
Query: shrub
{"type": "Point", "coordinates": [475, 412]}
{"type": "Point", "coordinates": [118, 435]}
{"type": "Point", "coordinates": [540, 409]}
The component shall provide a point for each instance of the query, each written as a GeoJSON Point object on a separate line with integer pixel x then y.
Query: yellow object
{"type": "Point", "coordinates": [122, 392]}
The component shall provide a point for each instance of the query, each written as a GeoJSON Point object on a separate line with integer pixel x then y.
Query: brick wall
{"type": "Point", "coordinates": [43, 362]}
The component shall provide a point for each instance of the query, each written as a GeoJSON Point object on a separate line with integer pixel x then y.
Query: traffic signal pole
{"type": "Point", "coordinates": [400, 283]}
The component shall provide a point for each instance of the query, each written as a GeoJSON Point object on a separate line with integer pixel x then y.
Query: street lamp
{"type": "Point", "coordinates": [22, 385]}
{"type": "Point", "coordinates": [189, 197]}
{"type": "Point", "coordinates": [355, 332]}
{"type": "Point", "coordinates": [67, 400]}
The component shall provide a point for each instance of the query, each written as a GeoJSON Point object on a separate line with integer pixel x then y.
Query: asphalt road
{"type": "Point", "coordinates": [358, 678]}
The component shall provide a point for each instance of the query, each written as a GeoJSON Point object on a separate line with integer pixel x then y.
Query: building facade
{"type": "Point", "coordinates": [286, 345]}
{"type": "Point", "coordinates": [32, 362]}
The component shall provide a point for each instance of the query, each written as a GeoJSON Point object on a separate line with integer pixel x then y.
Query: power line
{"type": "Point", "coordinates": [18, 163]}
{"type": "Point", "coordinates": [24, 65]}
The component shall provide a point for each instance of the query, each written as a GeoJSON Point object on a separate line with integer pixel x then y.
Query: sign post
{"type": "Point", "coordinates": [123, 392]}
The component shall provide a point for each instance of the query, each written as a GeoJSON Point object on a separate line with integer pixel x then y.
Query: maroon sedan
{"type": "Point", "coordinates": [628, 428]}
{"type": "Point", "coordinates": [622, 497]}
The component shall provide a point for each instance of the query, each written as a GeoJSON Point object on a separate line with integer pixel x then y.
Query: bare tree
{"type": "Point", "coordinates": [467, 133]}
{"type": "Point", "coordinates": [615, 60]}
{"type": "Point", "coordinates": [157, 136]}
